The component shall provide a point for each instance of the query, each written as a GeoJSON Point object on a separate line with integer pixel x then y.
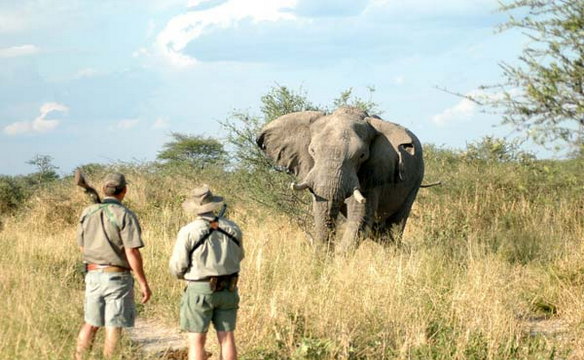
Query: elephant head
{"type": "Point", "coordinates": [340, 157]}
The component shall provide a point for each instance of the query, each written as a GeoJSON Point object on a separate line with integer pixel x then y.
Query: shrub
{"type": "Point", "coordinates": [12, 194]}
{"type": "Point", "coordinates": [490, 149]}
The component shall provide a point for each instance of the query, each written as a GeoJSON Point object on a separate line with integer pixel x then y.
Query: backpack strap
{"type": "Point", "coordinates": [231, 237]}
{"type": "Point", "coordinates": [201, 241]}
{"type": "Point", "coordinates": [206, 236]}
{"type": "Point", "coordinates": [108, 213]}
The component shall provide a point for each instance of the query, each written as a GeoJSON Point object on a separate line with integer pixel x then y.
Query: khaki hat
{"type": "Point", "coordinates": [201, 200]}
{"type": "Point", "coordinates": [114, 180]}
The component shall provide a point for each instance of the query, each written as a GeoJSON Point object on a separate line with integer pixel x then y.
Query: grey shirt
{"type": "Point", "coordinates": [218, 255]}
{"type": "Point", "coordinates": [105, 230]}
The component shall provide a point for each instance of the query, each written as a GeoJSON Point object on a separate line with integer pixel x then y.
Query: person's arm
{"type": "Point", "coordinates": [135, 261]}
{"type": "Point", "coordinates": [179, 260]}
{"type": "Point", "coordinates": [130, 233]}
{"type": "Point", "coordinates": [239, 235]}
{"type": "Point", "coordinates": [80, 233]}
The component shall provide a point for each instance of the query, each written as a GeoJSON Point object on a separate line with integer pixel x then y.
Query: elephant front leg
{"type": "Point", "coordinates": [356, 215]}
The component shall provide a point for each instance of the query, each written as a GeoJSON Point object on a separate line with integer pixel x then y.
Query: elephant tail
{"type": "Point", "coordinates": [437, 183]}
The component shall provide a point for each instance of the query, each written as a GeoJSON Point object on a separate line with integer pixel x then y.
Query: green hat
{"type": "Point", "coordinates": [114, 180]}
{"type": "Point", "coordinates": [201, 200]}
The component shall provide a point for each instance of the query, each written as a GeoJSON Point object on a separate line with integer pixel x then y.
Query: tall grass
{"type": "Point", "coordinates": [496, 248]}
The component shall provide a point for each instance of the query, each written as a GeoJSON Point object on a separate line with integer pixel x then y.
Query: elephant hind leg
{"type": "Point", "coordinates": [393, 227]}
{"type": "Point", "coordinates": [389, 231]}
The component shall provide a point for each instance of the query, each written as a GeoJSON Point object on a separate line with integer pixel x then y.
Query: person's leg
{"type": "Point", "coordinates": [227, 344]}
{"type": "Point", "coordinates": [196, 313]}
{"type": "Point", "coordinates": [94, 312]}
{"type": "Point", "coordinates": [196, 345]}
{"type": "Point", "coordinates": [85, 340]}
{"type": "Point", "coordinates": [112, 335]}
{"type": "Point", "coordinates": [224, 320]}
{"type": "Point", "coordinates": [120, 310]}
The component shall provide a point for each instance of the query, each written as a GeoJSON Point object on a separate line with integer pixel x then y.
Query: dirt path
{"type": "Point", "coordinates": [158, 341]}
{"type": "Point", "coordinates": [550, 328]}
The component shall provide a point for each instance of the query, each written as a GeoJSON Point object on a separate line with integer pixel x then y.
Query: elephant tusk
{"type": "Point", "coordinates": [358, 196]}
{"type": "Point", "coordinates": [298, 187]}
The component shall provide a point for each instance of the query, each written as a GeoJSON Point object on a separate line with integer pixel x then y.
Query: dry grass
{"type": "Point", "coordinates": [479, 261]}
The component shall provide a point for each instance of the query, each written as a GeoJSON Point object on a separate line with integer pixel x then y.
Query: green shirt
{"type": "Point", "coordinates": [105, 230]}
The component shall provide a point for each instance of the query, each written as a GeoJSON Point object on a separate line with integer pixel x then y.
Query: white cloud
{"type": "Point", "coordinates": [16, 128]}
{"type": "Point", "coordinates": [25, 15]}
{"type": "Point", "coordinates": [193, 3]}
{"type": "Point", "coordinates": [40, 124]}
{"type": "Point", "coordinates": [184, 28]}
{"type": "Point", "coordinates": [330, 8]}
{"type": "Point", "coordinates": [466, 108]}
{"type": "Point", "coordinates": [140, 52]}
{"type": "Point", "coordinates": [86, 73]}
{"type": "Point", "coordinates": [399, 80]}
{"type": "Point", "coordinates": [160, 123]}
{"type": "Point", "coordinates": [463, 111]}
{"type": "Point", "coordinates": [431, 7]}
{"type": "Point", "coordinates": [12, 21]}
{"type": "Point", "coordinates": [126, 124]}
{"type": "Point", "coordinates": [22, 50]}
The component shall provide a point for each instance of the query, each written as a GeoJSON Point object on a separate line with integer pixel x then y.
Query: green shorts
{"type": "Point", "coordinates": [109, 299]}
{"type": "Point", "coordinates": [200, 306]}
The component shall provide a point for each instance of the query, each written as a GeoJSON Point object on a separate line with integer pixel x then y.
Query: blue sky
{"type": "Point", "coordinates": [102, 81]}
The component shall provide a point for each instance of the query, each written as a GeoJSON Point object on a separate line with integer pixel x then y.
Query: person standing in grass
{"type": "Point", "coordinates": [207, 254]}
{"type": "Point", "coordinates": [110, 239]}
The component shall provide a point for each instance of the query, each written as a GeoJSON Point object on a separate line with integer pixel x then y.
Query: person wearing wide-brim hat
{"type": "Point", "coordinates": [207, 254]}
{"type": "Point", "coordinates": [201, 201]}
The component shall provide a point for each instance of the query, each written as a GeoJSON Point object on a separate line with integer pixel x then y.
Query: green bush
{"type": "Point", "coordinates": [490, 150]}
{"type": "Point", "coordinates": [12, 194]}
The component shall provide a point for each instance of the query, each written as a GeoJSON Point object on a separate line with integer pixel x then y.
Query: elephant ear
{"type": "Point", "coordinates": [385, 163]}
{"type": "Point", "coordinates": [286, 139]}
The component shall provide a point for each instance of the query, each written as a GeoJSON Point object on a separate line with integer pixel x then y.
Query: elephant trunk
{"type": "Point", "coordinates": [325, 214]}
{"type": "Point", "coordinates": [336, 187]}
{"type": "Point", "coordinates": [330, 195]}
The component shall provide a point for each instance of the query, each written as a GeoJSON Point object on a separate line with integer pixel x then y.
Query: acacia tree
{"type": "Point", "coordinates": [192, 150]}
{"type": "Point", "coordinates": [544, 94]}
{"type": "Point", "coordinates": [46, 170]}
{"type": "Point", "coordinates": [257, 178]}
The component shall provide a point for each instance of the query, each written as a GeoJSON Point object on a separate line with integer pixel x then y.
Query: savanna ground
{"type": "Point", "coordinates": [491, 266]}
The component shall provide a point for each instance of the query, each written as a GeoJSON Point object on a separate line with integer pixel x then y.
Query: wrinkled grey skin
{"type": "Point", "coordinates": [334, 154]}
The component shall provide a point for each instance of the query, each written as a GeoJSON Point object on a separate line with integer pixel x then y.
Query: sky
{"type": "Point", "coordinates": [108, 81]}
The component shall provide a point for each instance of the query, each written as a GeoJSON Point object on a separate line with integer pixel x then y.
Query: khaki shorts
{"type": "Point", "coordinates": [200, 306]}
{"type": "Point", "coordinates": [109, 299]}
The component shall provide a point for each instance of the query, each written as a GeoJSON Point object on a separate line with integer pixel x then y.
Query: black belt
{"type": "Point", "coordinates": [218, 277]}
{"type": "Point", "coordinates": [219, 283]}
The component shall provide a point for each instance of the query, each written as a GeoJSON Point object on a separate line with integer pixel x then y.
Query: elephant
{"type": "Point", "coordinates": [366, 168]}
